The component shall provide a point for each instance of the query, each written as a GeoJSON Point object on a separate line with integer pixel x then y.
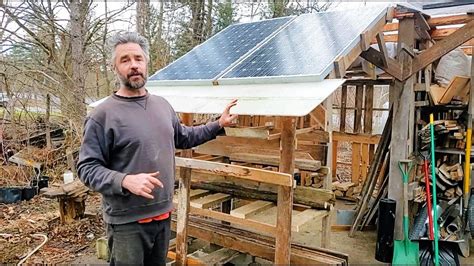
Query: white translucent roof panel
{"type": "Point", "coordinates": [283, 99]}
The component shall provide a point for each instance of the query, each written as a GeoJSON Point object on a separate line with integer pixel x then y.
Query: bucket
{"type": "Point", "coordinates": [10, 194]}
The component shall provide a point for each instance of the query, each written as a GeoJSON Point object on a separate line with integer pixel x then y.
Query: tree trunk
{"type": "Point", "coordinates": [143, 16]}
{"type": "Point", "coordinates": [77, 111]}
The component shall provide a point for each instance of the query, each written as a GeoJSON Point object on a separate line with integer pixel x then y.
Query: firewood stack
{"type": "Point", "coordinates": [345, 189]}
{"type": "Point", "coordinates": [314, 179]}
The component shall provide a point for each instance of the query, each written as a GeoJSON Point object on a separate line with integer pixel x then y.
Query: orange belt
{"type": "Point", "coordinates": [160, 217]}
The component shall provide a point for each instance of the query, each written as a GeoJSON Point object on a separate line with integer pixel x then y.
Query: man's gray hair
{"type": "Point", "coordinates": [128, 37]}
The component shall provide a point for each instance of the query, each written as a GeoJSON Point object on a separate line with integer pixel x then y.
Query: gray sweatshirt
{"type": "Point", "coordinates": [131, 136]}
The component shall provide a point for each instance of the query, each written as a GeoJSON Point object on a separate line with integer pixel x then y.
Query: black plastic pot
{"type": "Point", "coordinates": [28, 193]}
{"type": "Point", "coordinates": [41, 182]}
{"type": "Point", "coordinates": [10, 194]}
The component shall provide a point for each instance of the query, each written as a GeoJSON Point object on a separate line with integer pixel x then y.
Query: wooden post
{"type": "Point", "coordinates": [285, 194]}
{"type": "Point", "coordinates": [342, 120]}
{"type": "Point", "coordinates": [46, 122]}
{"type": "Point", "coordinates": [183, 203]}
{"type": "Point", "coordinates": [359, 98]}
{"type": "Point", "coordinates": [403, 102]}
{"type": "Point", "coordinates": [331, 158]}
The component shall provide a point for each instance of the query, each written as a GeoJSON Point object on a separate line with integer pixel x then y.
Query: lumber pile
{"type": "Point", "coordinates": [448, 134]}
{"type": "Point", "coordinates": [456, 92]}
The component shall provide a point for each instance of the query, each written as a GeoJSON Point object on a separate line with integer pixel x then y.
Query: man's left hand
{"type": "Point", "coordinates": [226, 118]}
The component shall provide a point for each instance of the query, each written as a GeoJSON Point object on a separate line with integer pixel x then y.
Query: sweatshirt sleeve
{"type": "Point", "coordinates": [187, 137]}
{"type": "Point", "coordinates": [92, 165]}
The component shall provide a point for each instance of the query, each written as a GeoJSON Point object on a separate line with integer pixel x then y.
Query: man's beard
{"type": "Point", "coordinates": [132, 85]}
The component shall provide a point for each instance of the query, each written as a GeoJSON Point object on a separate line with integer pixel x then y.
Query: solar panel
{"type": "Point", "coordinates": [209, 59]}
{"type": "Point", "coordinates": [308, 46]}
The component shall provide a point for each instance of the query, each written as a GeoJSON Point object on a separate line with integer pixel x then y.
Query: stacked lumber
{"type": "Point", "coordinates": [455, 93]}
{"type": "Point", "coordinates": [448, 134]}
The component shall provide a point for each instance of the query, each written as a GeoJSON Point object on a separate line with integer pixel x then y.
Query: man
{"type": "Point", "coordinates": [127, 155]}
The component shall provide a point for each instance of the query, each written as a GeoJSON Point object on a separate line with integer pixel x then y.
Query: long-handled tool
{"type": "Point", "coordinates": [428, 195]}
{"type": "Point", "coordinates": [433, 175]}
{"type": "Point", "coordinates": [405, 252]}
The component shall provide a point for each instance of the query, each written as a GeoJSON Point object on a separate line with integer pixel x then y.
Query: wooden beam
{"type": "Point", "coordinates": [342, 125]}
{"type": "Point", "coordinates": [368, 110]}
{"type": "Point", "coordinates": [248, 132]}
{"type": "Point", "coordinates": [183, 203]}
{"type": "Point", "coordinates": [310, 165]}
{"type": "Point", "coordinates": [357, 138]}
{"type": "Point", "coordinates": [382, 49]}
{"type": "Point", "coordinates": [377, 58]}
{"type": "Point", "coordinates": [441, 48]}
{"type": "Point", "coordinates": [285, 193]}
{"type": "Point", "coordinates": [359, 100]}
{"type": "Point", "coordinates": [242, 172]}
{"type": "Point", "coordinates": [403, 100]}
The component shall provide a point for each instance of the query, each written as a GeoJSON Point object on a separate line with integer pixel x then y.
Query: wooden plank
{"type": "Point", "coordinates": [402, 103]}
{"type": "Point", "coordinates": [220, 257]}
{"type": "Point", "coordinates": [436, 93]}
{"type": "Point", "coordinates": [242, 172]}
{"type": "Point", "coordinates": [197, 193]}
{"type": "Point", "coordinates": [359, 100]}
{"type": "Point", "coordinates": [248, 132]}
{"type": "Point", "coordinates": [210, 200]}
{"type": "Point", "coordinates": [189, 260]}
{"type": "Point", "coordinates": [360, 138]}
{"type": "Point", "coordinates": [441, 48]}
{"type": "Point", "coordinates": [184, 188]}
{"type": "Point", "coordinates": [355, 162]}
{"type": "Point", "coordinates": [369, 105]}
{"type": "Point", "coordinates": [364, 161]}
{"type": "Point", "coordinates": [382, 49]}
{"type": "Point", "coordinates": [246, 223]}
{"type": "Point", "coordinates": [298, 132]}
{"type": "Point", "coordinates": [334, 158]}
{"type": "Point", "coordinates": [342, 119]}
{"type": "Point", "coordinates": [285, 193]}
{"type": "Point", "coordinates": [457, 87]}
{"type": "Point", "coordinates": [326, 229]}
{"type": "Point", "coordinates": [310, 165]}
{"type": "Point", "coordinates": [301, 220]}
{"type": "Point", "coordinates": [251, 209]}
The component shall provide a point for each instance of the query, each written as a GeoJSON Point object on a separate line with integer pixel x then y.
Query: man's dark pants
{"type": "Point", "coordinates": [139, 244]}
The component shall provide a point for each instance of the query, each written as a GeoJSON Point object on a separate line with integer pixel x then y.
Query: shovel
{"type": "Point", "coordinates": [405, 252]}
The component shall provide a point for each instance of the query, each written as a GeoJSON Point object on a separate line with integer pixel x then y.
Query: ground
{"type": "Point", "coordinates": [75, 243]}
